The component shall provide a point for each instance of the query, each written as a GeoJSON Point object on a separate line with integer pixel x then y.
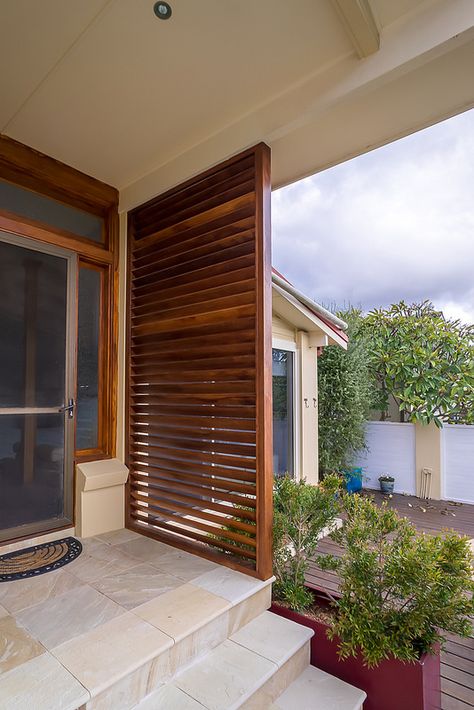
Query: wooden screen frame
{"type": "Point", "coordinates": [30, 169]}
{"type": "Point", "coordinates": [263, 377]}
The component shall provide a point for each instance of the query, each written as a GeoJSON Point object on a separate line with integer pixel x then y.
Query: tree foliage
{"type": "Point", "coordinates": [401, 590]}
{"type": "Point", "coordinates": [301, 512]}
{"type": "Point", "coordinates": [422, 359]}
{"type": "Point", "coordinates": [346, 392]}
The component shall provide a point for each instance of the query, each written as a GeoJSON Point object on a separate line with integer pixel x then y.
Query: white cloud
{"type": "Point", "coordinates": [397, 223]}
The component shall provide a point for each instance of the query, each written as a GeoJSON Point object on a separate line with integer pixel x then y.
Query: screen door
{"type": "Point", "coordinates": [37, 342]}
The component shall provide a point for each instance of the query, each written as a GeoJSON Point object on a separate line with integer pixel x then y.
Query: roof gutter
{"type": "Point", "coordinates": [312, 305]}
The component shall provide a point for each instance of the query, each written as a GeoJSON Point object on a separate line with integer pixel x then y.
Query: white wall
{"type": "Point", "coordinates": [391, 449]}
{"type": "Point", "coordinates": [281, 330]}
{"type": "Point", "coordinates": [458, 462]}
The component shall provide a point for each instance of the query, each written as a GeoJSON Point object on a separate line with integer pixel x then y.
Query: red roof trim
{"type": "Point", "coordinates": [330, 325]}
{"type": "Point", "coordinates": [275, 271]}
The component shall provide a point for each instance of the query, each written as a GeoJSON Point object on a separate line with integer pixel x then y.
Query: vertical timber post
{"type": "Point", "coordinates": [264, 361]}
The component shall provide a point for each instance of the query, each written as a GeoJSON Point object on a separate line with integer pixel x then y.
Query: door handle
{"type": "Point", "coordinates": [69, 408]}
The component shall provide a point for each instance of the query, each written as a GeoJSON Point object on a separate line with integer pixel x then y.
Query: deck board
{"type": "Point", "coordinates": [431, 517]}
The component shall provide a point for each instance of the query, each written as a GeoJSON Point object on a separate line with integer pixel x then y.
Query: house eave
{"type": "Point", "coordinates": [297, 314]}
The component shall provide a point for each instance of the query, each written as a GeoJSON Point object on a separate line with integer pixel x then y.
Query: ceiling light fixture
{"type": "Point", "coordinates": [162, 10]}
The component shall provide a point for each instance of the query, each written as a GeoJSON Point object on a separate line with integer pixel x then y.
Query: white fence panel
{"type": "Point", "coordinates": [391, 449]}
{"type": "Point", "coordinates": [458, 458]}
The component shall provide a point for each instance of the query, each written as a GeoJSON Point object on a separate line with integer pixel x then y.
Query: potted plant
{"type": "Point", "coordinates": [400, 592]}
{"type": "Point", "coordinates": [387, 483]}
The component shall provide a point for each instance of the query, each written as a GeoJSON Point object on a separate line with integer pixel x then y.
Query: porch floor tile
{"type": "Point", "coordinates": [22, 593]}
{"type": "Point", "coordinates": [41, 684]}
{"type": "Point", "coordinates": [183, 565]}
{"type": "Point", "coordinates": [136, 586]}
{"type": "Point", "coordinates": [87, 568]}
{"type": "Point", "coordinates": [144, 548]}
{"type": "Point", "coordinates": [16, 645]}
{"type": "Point", "coordinates": [116, 537]}
{"type": "Point", "coordinates": [62, 618]}
{"type": "Point", "coordinates": [107, 553]}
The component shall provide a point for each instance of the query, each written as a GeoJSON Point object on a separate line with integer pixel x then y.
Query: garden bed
{"type": "Point", "coordinates": [392, 685]}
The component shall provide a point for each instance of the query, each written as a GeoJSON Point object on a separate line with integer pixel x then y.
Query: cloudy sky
{"type": "Point", "coordinates": [396, 223]}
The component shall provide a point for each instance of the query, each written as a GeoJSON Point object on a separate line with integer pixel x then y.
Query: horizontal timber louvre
{"type": "Point", "coordinates": [199, 365]}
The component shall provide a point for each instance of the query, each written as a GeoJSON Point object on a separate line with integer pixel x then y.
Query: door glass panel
{"type": "Point", "coordinates": [88, 359]}
{"type": "Point", "coordinates": [283, 437]}
{"type": "Point", "coordinates": [35, 463]}
{"type": "Point", "coordinates": [49, 211]}
{"type": "Point", "coordinates": [33, 301]}
{"type": "Point", "coordinates": [31, 469]}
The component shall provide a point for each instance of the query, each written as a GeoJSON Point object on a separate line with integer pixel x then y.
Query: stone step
{"type": "Point", "coordinates": [316, 690]}
{"type": "Point", "coordinates": [151, 644]}
{"type": "Point", "coordinates": [249, 670]}
{"type": "Point", "coordinates": [263, 666]}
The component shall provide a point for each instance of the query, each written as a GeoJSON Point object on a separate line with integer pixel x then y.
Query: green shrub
{"type": "Point", "coordinates": [401, 590]}
{"type": "Point", "coordinates": [231, 527]}
{"type": "Point", "coordinates": [345, 395]}
{"type": "Point", "coordinates": [301, 512]}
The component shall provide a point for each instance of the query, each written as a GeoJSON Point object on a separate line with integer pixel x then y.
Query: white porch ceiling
{"type": "Point", "coordinates": [106, 87]}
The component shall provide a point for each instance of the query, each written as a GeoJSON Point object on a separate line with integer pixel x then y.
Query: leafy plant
{"type": "Point", "coordinates": [422, 359]}
{"type": "Point", "coordinates": [241, 514]}
{"type": "Point", "coordinates": [386, 477]}
{"type": "Point", "coordinates": [401, 591]}
{"type": "Point", "coordinates": [352, 474]}
{"type": "Point", "coordinates": [346, 392]}
{"type": "Point", "coordinates": [301, 512]}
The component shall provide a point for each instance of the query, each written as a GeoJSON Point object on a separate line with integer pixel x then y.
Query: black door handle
{"type": "Point", "coordinates": [69, 408]}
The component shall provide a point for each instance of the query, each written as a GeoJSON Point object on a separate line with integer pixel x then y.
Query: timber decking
{"type": "Point", "coordinates": [457, 660]}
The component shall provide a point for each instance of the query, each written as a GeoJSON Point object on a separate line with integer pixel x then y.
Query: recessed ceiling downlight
{"type": "Point", "coordinates": [162, 10]}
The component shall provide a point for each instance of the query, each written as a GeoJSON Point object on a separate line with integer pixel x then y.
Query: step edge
{"type": "Point", "coordinates": [136, 665]}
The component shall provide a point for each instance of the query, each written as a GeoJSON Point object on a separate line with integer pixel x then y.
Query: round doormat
{"type": "Point", "coordinates": [38, 559]}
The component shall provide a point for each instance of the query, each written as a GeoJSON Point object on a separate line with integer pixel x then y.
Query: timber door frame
{"type": "Point", "coordinates": [32, 170]}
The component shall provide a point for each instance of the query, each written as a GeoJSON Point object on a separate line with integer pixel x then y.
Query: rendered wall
{"type": "Point", "coordinates": [391, 449]}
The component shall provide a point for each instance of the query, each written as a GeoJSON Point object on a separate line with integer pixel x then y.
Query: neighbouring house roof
{"type": "Point", "coordinates": [304, 313]}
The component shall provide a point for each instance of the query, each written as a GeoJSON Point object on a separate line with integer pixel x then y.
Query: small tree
{"type": "Point", "coordinates": [346, 391]}
{"type": "Point", "coordinates": [422, 359]}
{"type": "Point", "coordinates": [301, 512]}
{"type": "Point", "coordinates": [401, 591]}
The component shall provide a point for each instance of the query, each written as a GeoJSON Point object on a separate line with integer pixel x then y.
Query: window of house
{"type": "Point", "coordinates": [283, 412]}
{"type": "Point", "coordinates": [33, 205]}
{"type": "Point", "coordinates": [55, 205]}
{"type": "Point", "coordinates": [88, 358]}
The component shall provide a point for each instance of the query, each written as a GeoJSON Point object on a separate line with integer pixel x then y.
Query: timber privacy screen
{"type": "Point", "coordinates": [199, 365]}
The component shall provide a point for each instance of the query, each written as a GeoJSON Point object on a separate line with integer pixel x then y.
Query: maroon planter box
{"type": "Point", "coordinates": [392, 685]}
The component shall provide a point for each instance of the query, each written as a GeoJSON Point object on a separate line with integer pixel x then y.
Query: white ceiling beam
{"type": "Point", "coordinates": [360, 24]}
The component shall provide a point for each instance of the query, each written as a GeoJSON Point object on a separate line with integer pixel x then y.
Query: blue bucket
{"type": "Point", "coordinates": [353, 479]}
